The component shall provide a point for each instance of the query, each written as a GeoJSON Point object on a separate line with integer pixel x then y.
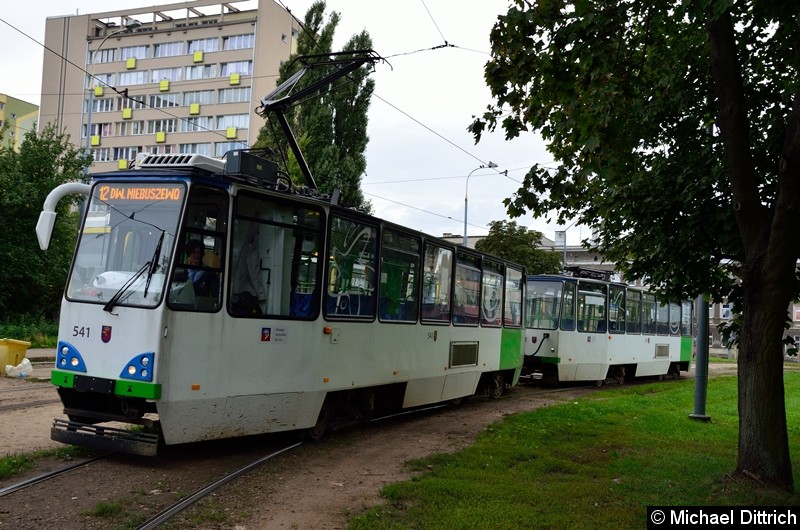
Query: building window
{"type": "Point", "coordinates": [101, 105]}
{"type": "Point", "coordinates": [130, 128]}
{"type": "Point", "coordinates": [160, 149]}
{"type": "Point", "coordinates": [200, 149]}
{"type": "Point", "coordinates": [105, 55]}
{"type": "Point", "coordinates": [161, 101]}
{"type": "Point", "coordinates": [220, 148]}
{"type": "Point", "coordinates": [238, 42]}
{"type": "Point", "coordinates": [130, 102]}
{"type": "Point", "coordinates": [102, 154]}
{"type": "Point", "coordinates": [168, 49]}
{"type": "Point", "coordinates": [137, 52]}
{"type": "Point", "coordinates": [200, 123]}
{"type": "Point", "coordinates": [126, 153]}
{"type": "Point", "coordinates": [133, 78]}
{"type": "Point", "coordinates": [234, 95]}
{"type": "Point", "coordinates": [203, 97]}
{"type": "Point", "coordinates": [100, 80]}
{"type": "Point", "coordinates": [169, 74]}
{"type": "Point", "coordinates": [200, 71]}
{"type": "Point", "coordinates": [154, 126]}
{"type": "Point", "coordinates": [236, 67]}
{"type": "Point", "coordinates": [203, 45]}
{"type": "Point", "coordinates": [239, 121]}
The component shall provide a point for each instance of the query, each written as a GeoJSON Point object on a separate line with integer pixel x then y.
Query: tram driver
{"type": "Point", "coordinates": [205, 283]}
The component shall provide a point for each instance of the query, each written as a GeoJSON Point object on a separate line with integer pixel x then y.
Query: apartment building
{"type": "Point", "coordinates": [175, 78]}
{"type": "Point", "coordinates": [19, 116]}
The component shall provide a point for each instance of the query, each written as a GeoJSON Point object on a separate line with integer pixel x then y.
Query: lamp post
{"type": "Point", "coordinates": [466, 194]}
{"type": "Point", "coordinates": [130, 25]}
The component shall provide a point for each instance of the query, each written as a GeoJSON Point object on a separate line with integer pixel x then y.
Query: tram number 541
{"type": "Point", "coordinates": [81, 331]}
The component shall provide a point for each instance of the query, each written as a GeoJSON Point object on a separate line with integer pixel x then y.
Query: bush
{"type": "Point", "coordinates": [41, 333]}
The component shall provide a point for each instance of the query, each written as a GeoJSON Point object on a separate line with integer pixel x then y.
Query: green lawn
{"type": "Point", "coordinates": [593, 463]}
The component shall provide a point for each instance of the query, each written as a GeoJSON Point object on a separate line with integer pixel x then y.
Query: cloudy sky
{"type": "Point", "coordinates": [420, 153]}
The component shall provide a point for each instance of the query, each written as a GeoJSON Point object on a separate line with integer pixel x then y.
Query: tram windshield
{"type": "Point", "coordinates": [543, 302]}
{"type": "Point", "coordinates": [126, 243]}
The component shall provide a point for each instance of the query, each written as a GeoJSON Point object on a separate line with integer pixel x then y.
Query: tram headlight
{"type": "Point", "coordinates": [64, 350]}
{"type": "Point", "coordinates": [74, 361]}
{"type": "Point", "coordinates": [138, 368]}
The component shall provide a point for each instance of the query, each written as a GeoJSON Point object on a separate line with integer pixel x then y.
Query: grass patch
{"type": "Point", "coordinates": [596, 462]}
{"type": "Point", "coordinates": [11, 465]}
{"type": "Point", "coordinates": [41, 333]}
{"type": "Point", "coordinates": [117, 514]}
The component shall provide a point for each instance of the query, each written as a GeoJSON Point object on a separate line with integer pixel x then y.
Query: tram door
{"type": "Point", "coordinates": [586, 357]}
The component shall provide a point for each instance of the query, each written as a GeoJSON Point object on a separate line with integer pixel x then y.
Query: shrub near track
{"type": "Point", "coordinates": [597, 462]}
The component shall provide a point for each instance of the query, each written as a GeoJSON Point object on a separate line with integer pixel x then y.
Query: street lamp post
{"type": "Point", "coordinates": [130, 25]}
{"type": "Point", "coordinates": [491, 165]}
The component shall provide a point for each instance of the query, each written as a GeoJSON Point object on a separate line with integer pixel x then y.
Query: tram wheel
{"type": "Point", "coordinates": [456, 401]}
{"type": "Point", "coordinates": [599, 382]}
{"type": "Point", "coordinates": [619, 374]}
{"type": "Point", "coordinates": [318, 430]}
{"type": "Point", "coordinates": [496, 386]}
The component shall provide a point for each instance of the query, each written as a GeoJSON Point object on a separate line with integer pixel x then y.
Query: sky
{"type": "Point", "coordinates": [420, 155]}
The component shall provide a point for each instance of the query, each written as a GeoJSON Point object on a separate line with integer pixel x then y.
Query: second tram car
{"type": "Point", "coordinates": [592, 329]}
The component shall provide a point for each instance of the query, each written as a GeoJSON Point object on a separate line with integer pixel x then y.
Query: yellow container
{"type": "Point", "coordinates": [13, 351]}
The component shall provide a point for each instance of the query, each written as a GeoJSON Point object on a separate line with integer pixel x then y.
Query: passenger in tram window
{"type": "Point", "coordinates": [206, 283]}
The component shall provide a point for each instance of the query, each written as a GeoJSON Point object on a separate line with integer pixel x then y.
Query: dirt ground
{"type": "Point", "coordinates": [316, 486]}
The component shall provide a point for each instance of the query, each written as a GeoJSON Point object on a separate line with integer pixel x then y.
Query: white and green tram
{"type": "Point", "coordinates": [592, 329]}
{"type": "Point", "coordinates": [291, 311]}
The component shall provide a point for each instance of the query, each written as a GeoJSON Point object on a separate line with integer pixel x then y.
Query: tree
{"type": "Point", "coordinates": [516, 243]}
{"type": "Point", "coordinates": [331, 128]}
{"type": "Point", "coordinates": [33, 281]}
{"type": "Point", "coordinates": [676, 127]}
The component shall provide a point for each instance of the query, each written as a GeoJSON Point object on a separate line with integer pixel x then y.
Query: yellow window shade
{"type": "Point", "coordinates": [164, 85]}
{"type": "Point", "coordinates": [98, 90]}
{"type": "Point", "coordinates": [194, 108]}
{"type": "Point", "coordinates": [234, 79]}
{"type": "Point", "coordinates": [198, 56]}
{"type": "Point", "coordinates": [127, 113]}
{"type": "Point", "coordinates": [130, 63]}
{"type": "Point", "coordinates": [95, 139]}
{"type": "Point", "coordinates": [161, 137]}
{"type": "Point", "coordinates": [122, 164]}
{"type": "Point", "coordinates": [230, 132]}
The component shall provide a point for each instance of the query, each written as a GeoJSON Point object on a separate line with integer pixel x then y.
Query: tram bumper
{"type": "Point", "coordinates": [104, 438]}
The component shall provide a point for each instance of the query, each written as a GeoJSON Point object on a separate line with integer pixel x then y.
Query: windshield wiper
{"type": "Point", "coordinates": [154, 263]}
{"type": "Point", "coordinates": [122, 290]}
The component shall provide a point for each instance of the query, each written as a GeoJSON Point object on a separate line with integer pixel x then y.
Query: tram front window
{"type": "Point", "coordinates": [125, 244]}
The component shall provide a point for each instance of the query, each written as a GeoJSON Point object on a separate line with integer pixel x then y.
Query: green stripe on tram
{"type": "Point", "coordinates": [121, 387]}
{"type": "Point", "coordinates": [511, 344]}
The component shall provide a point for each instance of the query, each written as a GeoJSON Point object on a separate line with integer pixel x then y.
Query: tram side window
{"type": "Point", "coordinates": [616, 309]}
{"type": "Point", "coordinates": [274, 259]}
{"type": "Point", "coordinates": [492, 294]}
{"type": "Point", "coordinates": [543, 305]}
{"type": "Point", "coordinates": [437, 267]}
{"type": "Point", "coordinates": [591, 307]}
{"type": "Point", "coordinates": [662, 319]}
{"type": "Point", "coordinates": [197, 280]}
{"type": "Point", "coordinates": [633, 311]}
{"type": "Point", "coordinates": [352, 264]}
{"type": "Point", "coordinates": [399, 282]}
{"type": "Point", "coordinates": [512, 314]}
{"type": "Point", "coordinates": [648, 313]}
{"type": "Point", "coordinates": [686, 318]}
{"type": "Point", "coordinates": [568, 308]}
{"type": "Point", "coordinates": [674, 319]}
{"type": "Point", "coordinates": [467, 290]}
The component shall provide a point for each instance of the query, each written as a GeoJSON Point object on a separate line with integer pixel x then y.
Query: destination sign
{"type": "Point", "coordinates": [139, 192]}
